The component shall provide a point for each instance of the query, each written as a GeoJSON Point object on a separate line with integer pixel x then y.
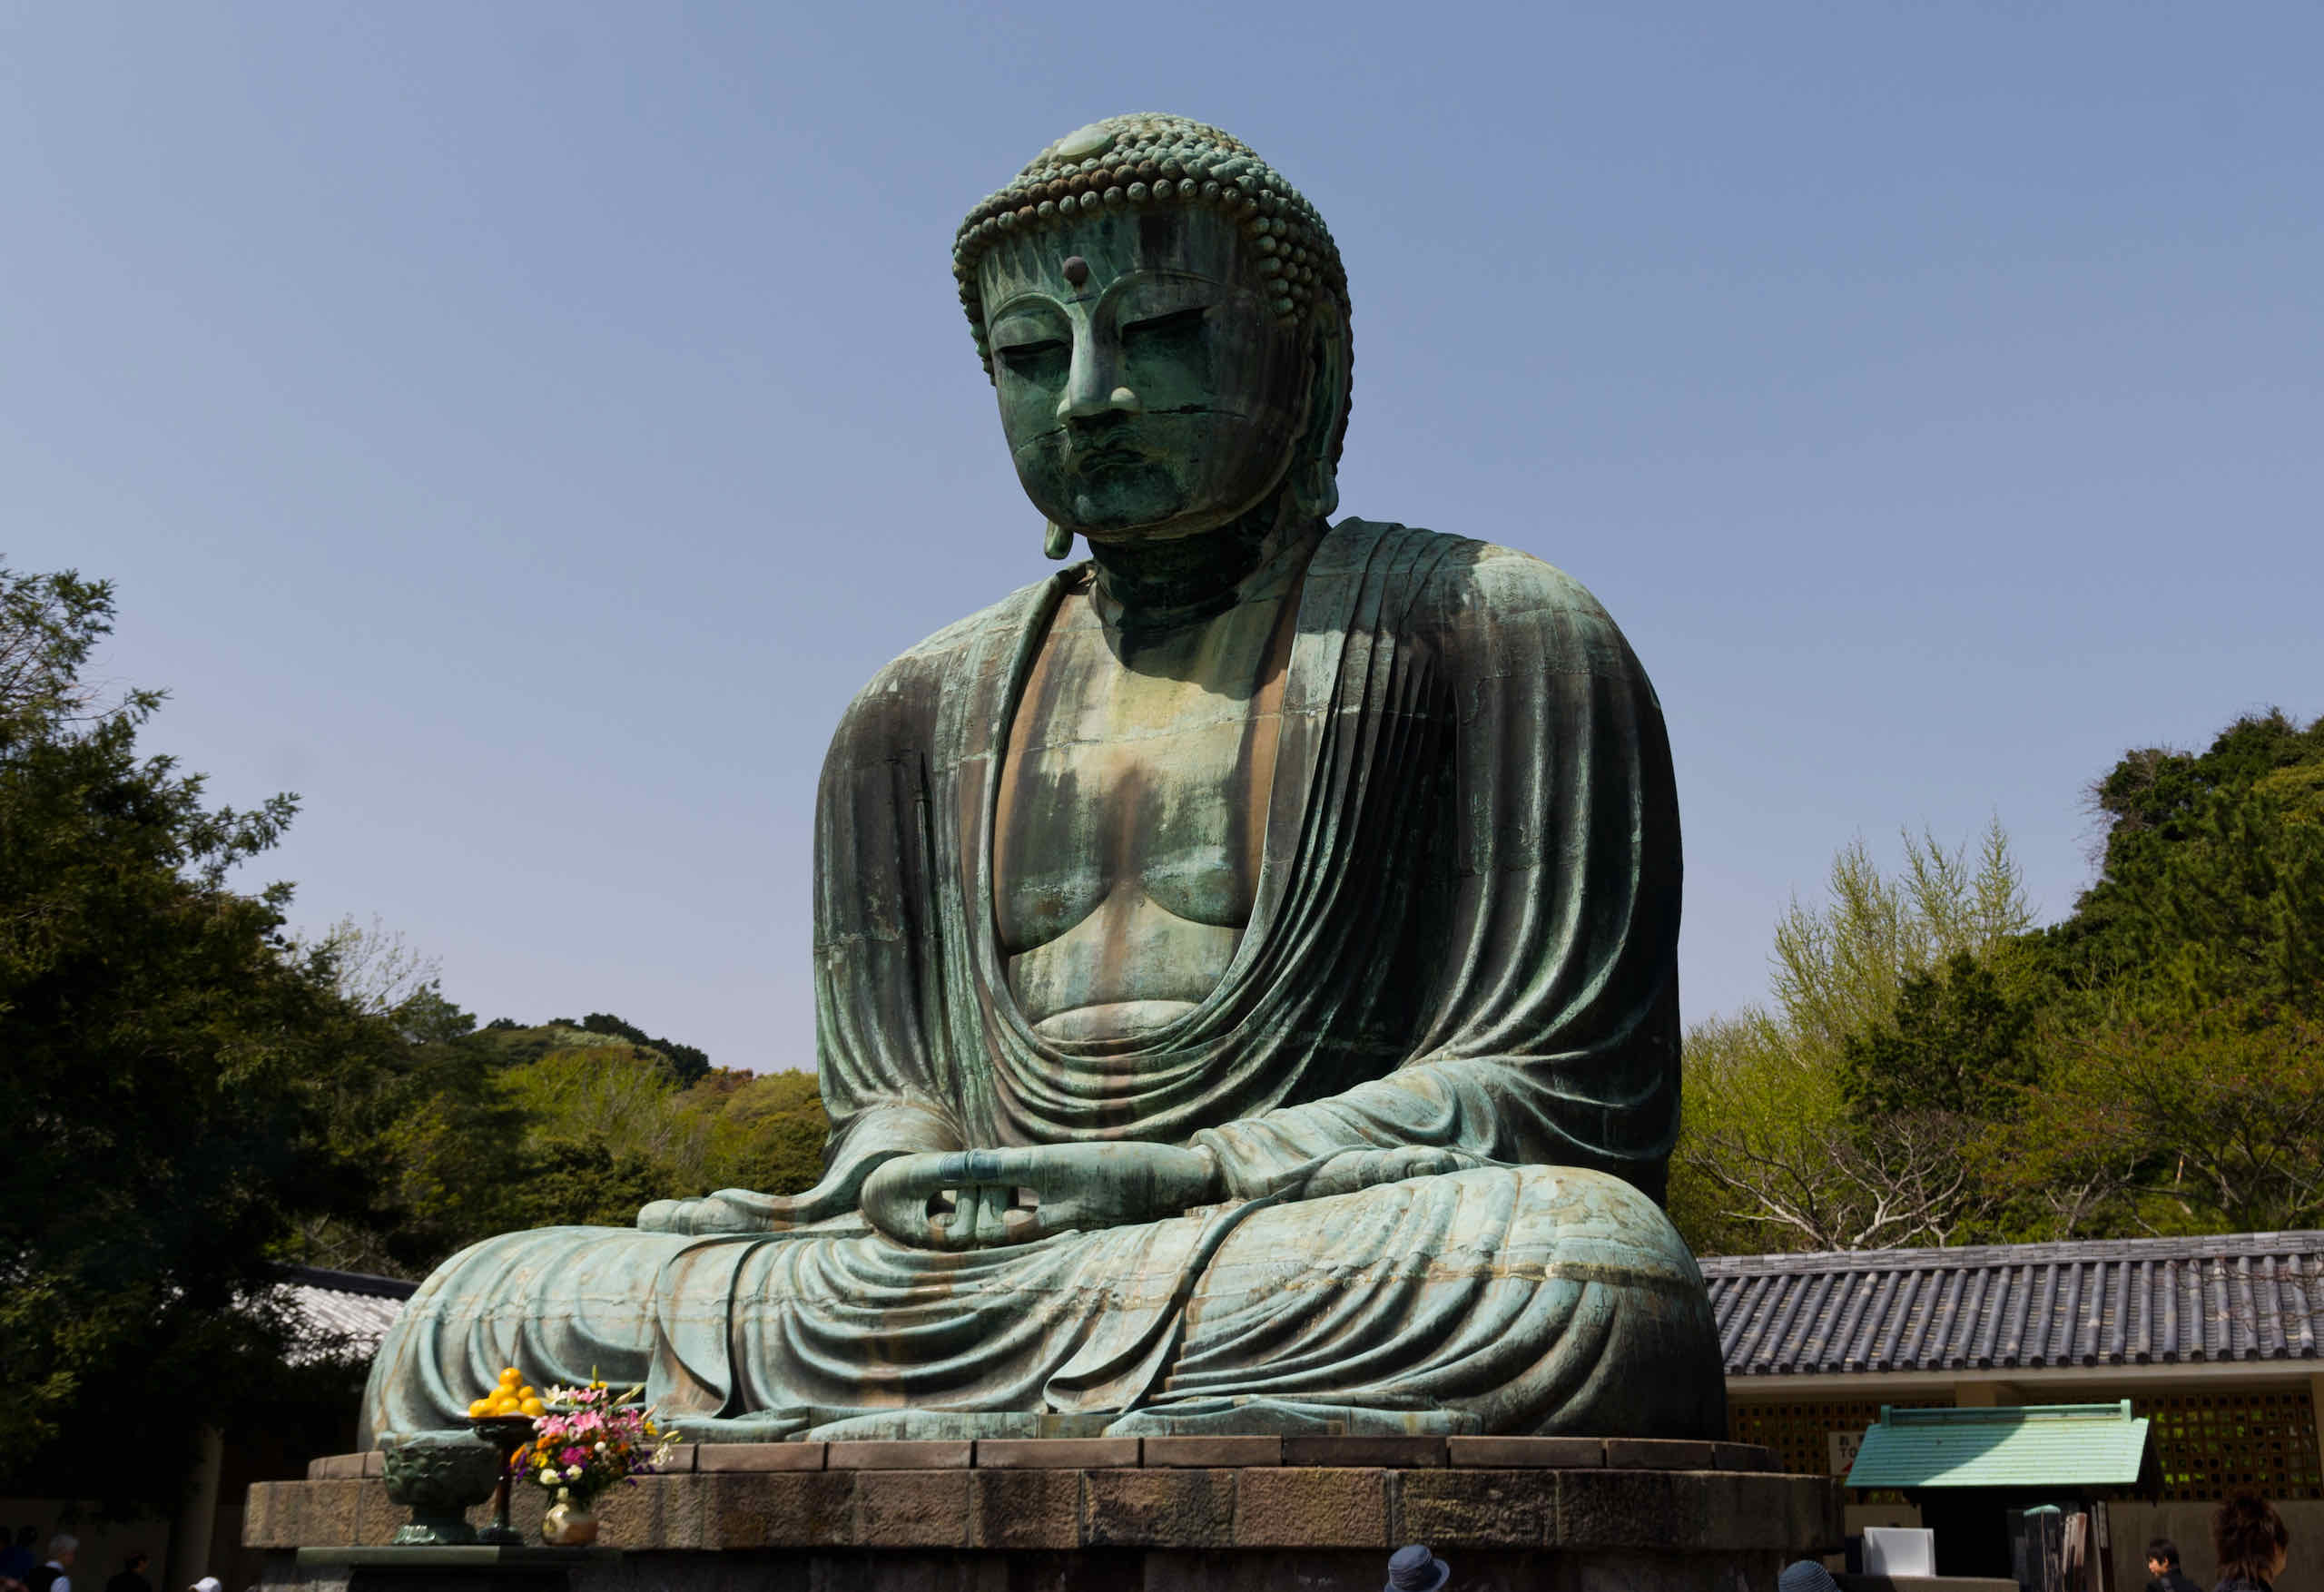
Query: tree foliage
{"type": "Point", "coordinates": [474, 1131]}
{"type": "Point", "coordinates": [1776, 1151]}
{"type": "Point", "coordinates": [1936, 1071]}
{"type": "Point", "coordinates": [164, 1041]}
{"type": "Point", "coordinates": [194, 1095]}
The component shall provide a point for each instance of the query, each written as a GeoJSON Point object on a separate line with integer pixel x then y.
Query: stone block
{"type": "Point", "coordinates": [1477, 1508]}
{"type": "Point", "coordinates": [1650, 1453]}
{"type": "Point", "coordinates": [1305, 1507]}
{"type": "Point", "coordinates": [630, 1516]}
{"type": "Point", "coordinates": [527, 1505]}
{"type": "Point", "coordinates": [1392, 1453]}
{"type": "Point", "coordinates": [1816, 1513]}
{"type": "Point", "coordinates": [1630, 1509]}
{"type": "Point", "coordinates": [911, 1508]}
{"type": "Point", "coordinates": [1168, 1507]}
{"type": "Point", "coordinates": [899, 1455]}
{"type": "Point", "coordinates": [681, 1461]}
{"type": "Point", "coordinates": [1740, 1457]}
{"type": "Point", "coordinates": [1524, 1453]}
{"type": "Point", "coordinates": [1748, 1510]}
{"type": "Point", "coordinates": [711, 1459]}
{"type": "Point", "coordinates": [1203, 1453]}
{"type": "Point", "coordinates": [328, 1517]}
{"type": "Point", "coordinates": [784, 1509]}
{"type": "Point", "coordinates": [1056, 1453]}
{"type": "Point", "coordinates": [267, 1514]}
{"type": "Point", "coordinates": [375, 1463]}
{"type": "Point", "coordinates": [1025, 1507]}
{"type": "Point", "coordinates": [378, 1516]}
{"type": "Point", "coordinates": [336, 1468]}
{"type": "Point", "coordinates": [681, 1510]}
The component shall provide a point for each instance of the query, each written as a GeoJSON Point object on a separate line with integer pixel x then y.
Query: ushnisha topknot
{"type": "Point", "coordinates": [1146, 160]}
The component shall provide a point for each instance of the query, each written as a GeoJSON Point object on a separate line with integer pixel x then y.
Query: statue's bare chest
{"type": "Point", "coordinates": [1132, 804]}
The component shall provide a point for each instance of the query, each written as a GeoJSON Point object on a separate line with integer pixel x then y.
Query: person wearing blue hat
{"type": "Point", "coordinates": [1417, 1569]}
{"type": "Point", "coordinates": [1805, 1576]}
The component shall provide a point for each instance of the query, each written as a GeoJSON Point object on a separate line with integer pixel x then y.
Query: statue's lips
{"type": "Point", "coordinates": [1112, 456]}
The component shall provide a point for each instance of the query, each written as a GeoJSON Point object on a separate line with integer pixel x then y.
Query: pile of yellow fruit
{"type": "Point", "coordinates": [510, 1398]}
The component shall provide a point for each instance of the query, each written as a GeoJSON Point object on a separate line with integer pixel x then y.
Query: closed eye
{"type": "Point", "coordinates": [1034, 360]}
{"type": "Point", "coordinates": [1178, 323]}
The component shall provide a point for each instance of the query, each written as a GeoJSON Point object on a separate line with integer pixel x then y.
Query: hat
{"type": "Point", "coordinates": [208, 1584]}
{"type": "Point", "coordinates": [1415, 1569]}
{"type": "Point", "coordinates": [1805, 1576]}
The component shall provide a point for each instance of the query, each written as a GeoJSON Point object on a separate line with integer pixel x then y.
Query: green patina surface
{"type": "Point", "coordinates": [1245, 959]}
{"type": "Point", "coordinates": [2033, 1446]}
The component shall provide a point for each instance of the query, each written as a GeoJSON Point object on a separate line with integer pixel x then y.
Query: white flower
{"type": "Point", "coordinates": [546, 1478]}
{"type": "Point", "coordinates": [573, 1473]}
{"type": "Point", "coordinates": [601, 1447]}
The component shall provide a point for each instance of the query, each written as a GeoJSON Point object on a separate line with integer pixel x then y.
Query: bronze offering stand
{"type": "Point", "coordinates": [506, 1434]}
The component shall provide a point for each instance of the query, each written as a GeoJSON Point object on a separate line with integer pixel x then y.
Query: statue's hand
{"type": "Point", "coordinates": [740, 1209]}
{"type": "Point", "coordinates": [1355, 1169]}
{"type": "Point", "coordinates": [979, 1197]}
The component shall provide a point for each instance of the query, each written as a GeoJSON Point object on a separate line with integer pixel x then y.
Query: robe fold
{"type": "Point", "coordinates": [1464, 936]}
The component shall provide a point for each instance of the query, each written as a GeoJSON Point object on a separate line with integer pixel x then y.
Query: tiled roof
{"type": "Point", "coordinates": [2126, 1302]}
{"type": "Point", "coordinates": [347, 1313]}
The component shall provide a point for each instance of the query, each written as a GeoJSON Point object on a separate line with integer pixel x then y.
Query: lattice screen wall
{"type": "Point", "coordinates": [2211, 1445]}
{"type": "Point", "coordinates": [1797, 1431]}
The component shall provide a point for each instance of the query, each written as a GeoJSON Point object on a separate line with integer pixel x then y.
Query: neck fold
{"type": "Point", "coordinates": [1150, 586]}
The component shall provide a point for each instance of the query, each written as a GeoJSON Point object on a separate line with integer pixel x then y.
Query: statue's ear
{"type": "Point", "coordinates": [1316, 475]}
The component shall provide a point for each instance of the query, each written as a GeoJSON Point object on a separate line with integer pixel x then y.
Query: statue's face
{"type": "Point", "coordinates": [1156, 397]}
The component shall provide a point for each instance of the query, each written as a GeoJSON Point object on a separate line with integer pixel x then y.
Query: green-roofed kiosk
{"type": "Point", "coordinates": [2042, 1446]}
{"type": "Point", "coordinates": [1975, 1472]}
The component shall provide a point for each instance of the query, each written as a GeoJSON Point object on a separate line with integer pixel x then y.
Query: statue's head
{"type": "Point", "coordinates": [1165, 321]}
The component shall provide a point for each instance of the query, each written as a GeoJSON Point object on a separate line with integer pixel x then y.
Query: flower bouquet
{"type": "Point", "coordinates": [586, 1442]}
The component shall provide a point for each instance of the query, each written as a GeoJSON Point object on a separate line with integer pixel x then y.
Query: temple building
{"type": "Point", "coordinates": [2213, 1341]}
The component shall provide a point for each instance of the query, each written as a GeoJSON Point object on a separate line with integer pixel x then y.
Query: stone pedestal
{"type": "Point", "coordinates": [1066, 1515]}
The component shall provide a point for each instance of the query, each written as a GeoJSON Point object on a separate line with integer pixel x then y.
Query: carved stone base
{"type": "Point", "coordinates": [1168, 1515]}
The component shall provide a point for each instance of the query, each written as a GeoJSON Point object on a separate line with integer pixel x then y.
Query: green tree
{"type": "Point", "coordinates": [1957, 1042]}
{"type": "Point", "coordinates": [164, 1041]}
{"type": "Point", "coordinates": [687, 1062]}
{"type": "Point", "coordinates": [2210, 1120]}
{"type": "Point", "coordinates": [2210, 887]}
{"type": "Point", "coordinates": [1772, 1153]}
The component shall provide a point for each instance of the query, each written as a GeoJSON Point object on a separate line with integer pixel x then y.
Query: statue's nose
{"type": "Point", "coordinates": [1093, 389]}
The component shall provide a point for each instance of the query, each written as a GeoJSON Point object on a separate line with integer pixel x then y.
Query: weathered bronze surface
{"type": "Point", "coordinates": [1245, 961]}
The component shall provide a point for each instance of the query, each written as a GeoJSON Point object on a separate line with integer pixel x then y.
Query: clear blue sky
{"type": "Point", "coordinates": [520, 427]}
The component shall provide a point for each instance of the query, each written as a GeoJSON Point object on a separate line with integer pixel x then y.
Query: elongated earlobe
{"type": "Point", "coordinates": [1056, 541]}
{"type": "Point", "coordinates": [1315, 480]}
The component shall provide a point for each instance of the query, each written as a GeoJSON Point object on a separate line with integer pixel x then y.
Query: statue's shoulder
{"type": "Point", "coordinates": [1451, 577]}
{"type": "Point", "coordinates": [899, 702]}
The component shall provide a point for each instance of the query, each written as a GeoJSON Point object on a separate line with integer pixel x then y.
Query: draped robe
{"type": "Point", "coordinates": [1464, 936]}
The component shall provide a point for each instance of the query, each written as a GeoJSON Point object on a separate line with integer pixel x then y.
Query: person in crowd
{"type": "Point", "coordinates": [17, 1558]}
{"type": "Point", "coordinates": [56, 1574]}
{"type": "Point", "coordinates": [1415, 1568]}
{"type": "Point", "coordinates": [132, 1575]}
{"type": "Point", "coordinates": [1805, 1576]}
{"type": "Point", "coordinates": [2163, 1567]}
{"type": "Point", "coordinates": [2251, 1543]}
